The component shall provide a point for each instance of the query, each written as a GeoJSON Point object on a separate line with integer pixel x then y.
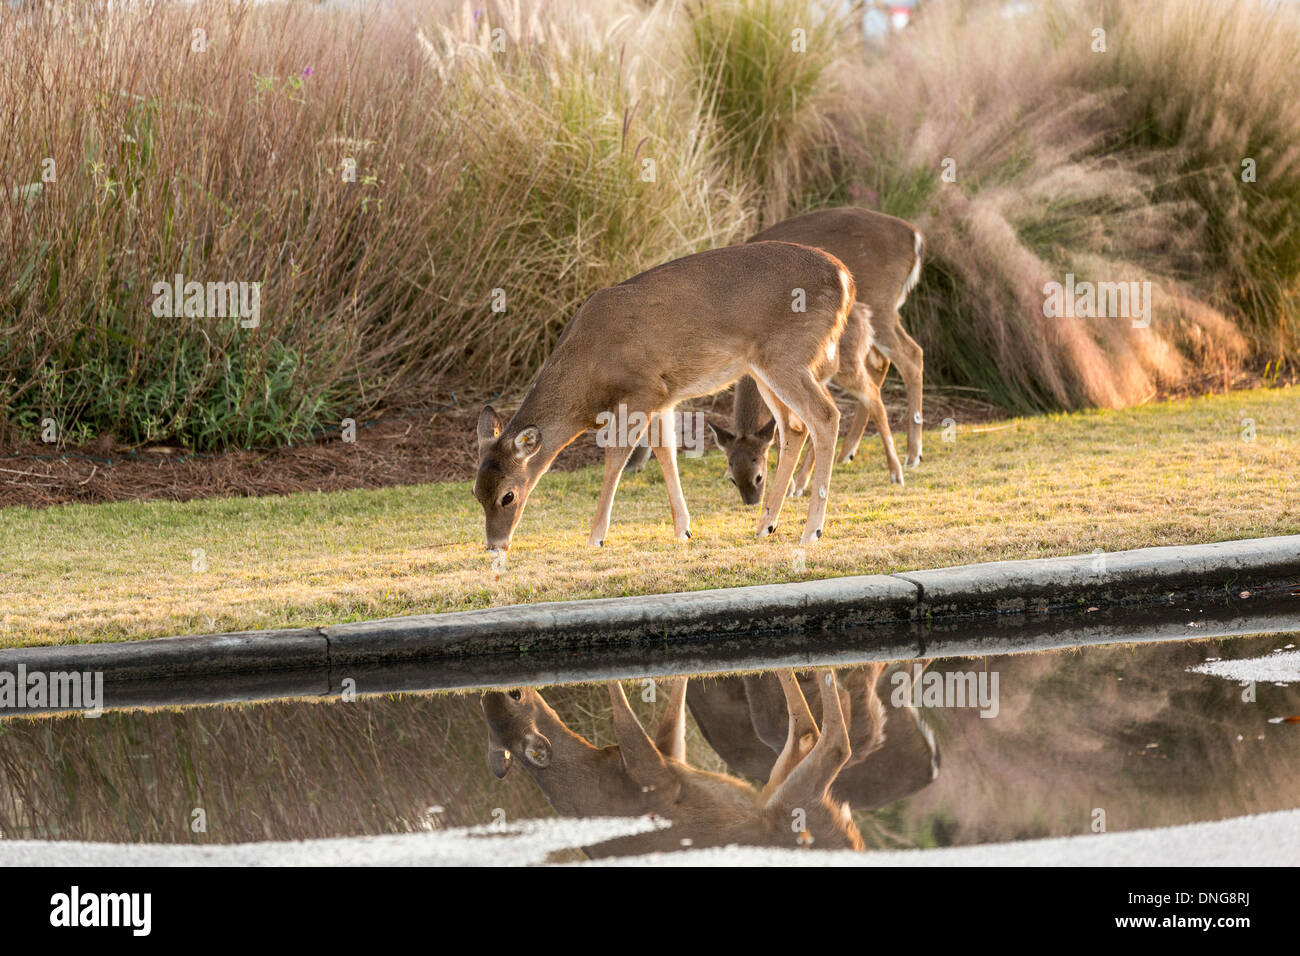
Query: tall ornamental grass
{"type": "Point", "coordinates": [424, 193]}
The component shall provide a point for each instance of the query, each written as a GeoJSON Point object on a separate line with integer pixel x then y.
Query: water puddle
{"type": "Point", "coordinates": [861, 754]}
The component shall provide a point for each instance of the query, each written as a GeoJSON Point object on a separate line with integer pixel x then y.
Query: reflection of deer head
{"type": "Point", "coordinates": [743, 719]}
{"type": "Point", "coordinates": [642, 776]}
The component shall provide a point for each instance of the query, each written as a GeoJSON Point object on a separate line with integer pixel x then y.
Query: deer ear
{"type": "Point", "coordinates": [528, 443]}
{"type": "Point", "coordinates": [537, 750]}
{"type": "Point", "coordinates": [490, 425]}
{"type": "Point", "coordinates": [723, 437]}
{"type": "Point", "coordinates": [767, 432]}
{"type": "Point", "coordinates": [499, 760]}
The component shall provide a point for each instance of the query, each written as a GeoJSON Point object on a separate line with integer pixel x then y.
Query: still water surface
{"type": "Point", "coordinates": [882, 755]}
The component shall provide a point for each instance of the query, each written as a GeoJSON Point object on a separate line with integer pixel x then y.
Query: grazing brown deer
{"type": "Point", "coordinates": [884, 255]}
{"type": "Point", "coordinates": [746, 448]}
{"type": "Point", "coordinates": [772, 310]}
{"type": "Point", "coordinates": [894, 751]}
{"type": "Point", "coordinates": [639, 776]}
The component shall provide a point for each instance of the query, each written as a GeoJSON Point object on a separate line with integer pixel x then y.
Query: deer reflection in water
{"type": "Point", "coordinates": [639, 776]}
{"type": "Point", "coordinates": [743, 720]}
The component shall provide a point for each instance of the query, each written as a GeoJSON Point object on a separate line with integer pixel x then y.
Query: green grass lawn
{"type": "Point", "coordinates": [1177, 472]}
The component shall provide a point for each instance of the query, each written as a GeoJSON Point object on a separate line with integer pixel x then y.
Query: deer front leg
{"type": "Point", "coordinates": [641, 758]}
{"type": "Point", "coordinates": [800, 484]}
{"type": "Point", "coordinates": [880, 416]}
{"type": "Point", "coordinates": [640, 455]}
{"type": "Point", "coordinates": [824, 422]}
{"type": "Point", "coordinates": [670, 739]}
{"type": "Point", "coordinates": [615, 458]}
{"type": "Point", "coordinates": [875, 365]}
{"type": "Point", "coordinates": [790, 443]}
{"type": "Point", "coordinates": [767, 710]}
{"type": "Point", "coordinates": [665, 451]}
{"type": "Point", "coordinates": [791, 436]}
{"type": "Point", "coordinates": [853, 437]}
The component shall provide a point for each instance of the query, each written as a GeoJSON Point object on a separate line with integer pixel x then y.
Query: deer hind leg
{"type": "Point", "coordinates": [801, 735]}
{"type": "Point", "coordinates": [866, 712]}
{"type": "Point", "coordinates": [791, 435]}
{"type": "Point", "coordinates": [809, 783]}
{"type": "Point", "coordinates": [912, 376]}
{"type": "Point", "coordinates": [901, 349]}
{"type": "Point", "coordinates": [865, 387]}
{"type": "Point", "coordinates": [801, 393]}
{"type": "Point", "coordinates": [665, 450]}
{"type": "Point", "coordinates": [832, 750]}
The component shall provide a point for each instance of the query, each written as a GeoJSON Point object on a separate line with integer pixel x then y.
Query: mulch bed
{"type": "Point", "coordinates": [397, 447]}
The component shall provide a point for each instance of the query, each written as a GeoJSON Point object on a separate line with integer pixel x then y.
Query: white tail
{"type": "Point", "coordinates": [691, 327]}
{"type": "Point", "coordinates": [918, 249]}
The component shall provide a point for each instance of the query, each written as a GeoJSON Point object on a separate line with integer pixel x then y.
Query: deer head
{"type": "Point", "coordinates": [509, 465]}
{"type": "Point", "coordinates": [512, 729]}
{"type": "Point", "coordinates": [746, 457]}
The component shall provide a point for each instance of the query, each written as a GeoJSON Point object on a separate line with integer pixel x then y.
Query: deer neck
{"type": "Point", "coordinates": [750, 412]}
{"type": "Point", "coordinates": [551, 406]}
{"type": "Point", "coordinates": [582, 780]}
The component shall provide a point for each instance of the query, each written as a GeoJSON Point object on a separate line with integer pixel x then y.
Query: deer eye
{"type": "Point", "coordinates": [515, 695]}
{"type": "Point", "coordinates": [507, 500]}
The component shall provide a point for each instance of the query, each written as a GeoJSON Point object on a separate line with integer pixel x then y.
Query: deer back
{"type": "Point", "coordinates": [883, 252]}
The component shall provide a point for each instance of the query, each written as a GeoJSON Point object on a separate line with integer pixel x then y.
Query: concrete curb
{"type": "Point", "coordinates": [1120, 577]}
{"type": "Point", "coordinates": [193, 655]}
{"type": "Point", "coordinates": [1264, 566]}
{"type": "Point", "coordinates": [813, 605]}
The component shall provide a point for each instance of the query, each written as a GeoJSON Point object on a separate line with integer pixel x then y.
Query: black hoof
{"type": "Point", "coordinates": [771, 529]}
{"type": "Point", "coordinates": [851, 457]}
{"type": "Point", "coordinates": [600, 543]}
{"type": "Point", "coordinates": [819, 532]}
{"type": "Point", "coordinates": [688, 534]}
